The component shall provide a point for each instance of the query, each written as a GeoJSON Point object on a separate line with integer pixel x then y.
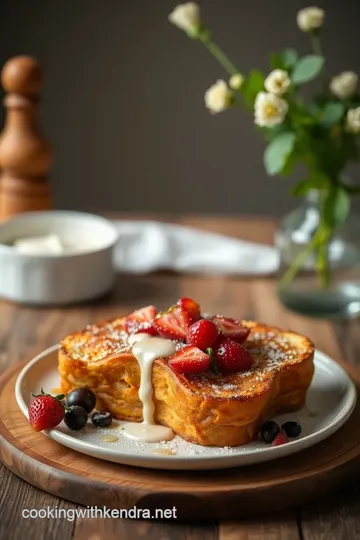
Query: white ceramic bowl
{"type": "Point", "coordinates": [82, 274]}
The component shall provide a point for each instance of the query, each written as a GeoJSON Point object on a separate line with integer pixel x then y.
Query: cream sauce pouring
{"type": "Point", "coordinates": [146, 349]}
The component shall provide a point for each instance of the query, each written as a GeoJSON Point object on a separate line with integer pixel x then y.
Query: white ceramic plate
{"type": "Point", "coordinates": [331, 399]}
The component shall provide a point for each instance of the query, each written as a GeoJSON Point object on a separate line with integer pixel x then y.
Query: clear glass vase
{"type": "Point", "coordinates": [304, 293]}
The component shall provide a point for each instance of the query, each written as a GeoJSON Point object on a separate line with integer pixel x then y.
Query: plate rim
{"type": "Point", "coordinates": [210, 461]}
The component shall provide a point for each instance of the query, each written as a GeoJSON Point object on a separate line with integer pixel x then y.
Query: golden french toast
{"type": "Point", "coordinates": [210, 407]}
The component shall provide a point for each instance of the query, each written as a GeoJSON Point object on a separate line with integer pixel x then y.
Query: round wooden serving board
{"type": "Point", "coordinates": [223, 494]}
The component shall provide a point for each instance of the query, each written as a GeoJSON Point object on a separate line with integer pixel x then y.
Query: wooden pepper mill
{"type": "Point", "coordinates": [25, 157]}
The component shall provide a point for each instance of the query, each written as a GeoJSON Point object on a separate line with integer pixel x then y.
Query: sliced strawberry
{"type": "Point", "coordinates": [281, 438]}
{"type": "Point", "coordinates": [141, 321]}
{"type": "Point", "coordinates": [231, 328]}
{"type": "Point", "coordinates": [191, 307]}
{"type": "Point", "coordinates": [174, 323]}
{"type": "Point", "coordinates": [190, 360]}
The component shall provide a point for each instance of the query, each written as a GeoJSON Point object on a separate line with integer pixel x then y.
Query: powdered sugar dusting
{"type": "Point", "coordinates": [270, 350]}
{"type": "Point", "coordinates": [175, 447]}
{"type": "Point", "coordinates": [97, 342]}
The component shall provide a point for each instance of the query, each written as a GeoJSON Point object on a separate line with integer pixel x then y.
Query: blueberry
{"type": "Point", "coordinates": [101, 419]}
{"type": "Point", "coordinates": [269, 430]}
{"type": "Point", "coordinates": [76, 417]}
{"type": "Point", "coordinates": [83, 397]}
{"type": "Point", "coordinates": [292, 429]}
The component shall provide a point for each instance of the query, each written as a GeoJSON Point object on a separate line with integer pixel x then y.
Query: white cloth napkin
{"type": "Point", "coordinates": [146, 246]}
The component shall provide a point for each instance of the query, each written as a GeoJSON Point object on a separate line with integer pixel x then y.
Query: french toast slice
{"type": "Point", "coordinates": [208, 409]}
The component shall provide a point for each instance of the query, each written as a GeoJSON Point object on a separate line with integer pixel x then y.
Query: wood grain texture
{"type": "Point", "coordinates": [110, 529]}
{"type": "Point", "coordinates": [284, 528]}
{"type": "Point", "coordinates": [24, 332]}
{"type": "Point", "coordinates": [337, 519]}
{"type": "Point", "coordinates": [15, 496]}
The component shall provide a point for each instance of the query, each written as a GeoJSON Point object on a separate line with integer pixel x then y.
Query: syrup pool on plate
{"type": "Point", "coordinates": [146, 349]}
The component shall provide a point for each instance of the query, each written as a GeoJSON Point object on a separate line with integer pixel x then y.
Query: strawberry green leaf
{"type": "Point", "coordinates": [213, 364]}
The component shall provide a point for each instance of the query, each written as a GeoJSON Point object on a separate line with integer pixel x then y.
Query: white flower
{"type": "Point", "coordinates": [236, 81]}
{"type": "Point", "coordinates": [269, 109]}
{"type": "Point", "coordinates": [217, 97]}
{"type": "Point", "coordinates": [353, 120]}
{"type": "Point", "coordinates": [277, 82]}
{"type": "Point", "coordinates": [310, 18]}
{"type": "Point", "coordinates": [186, 17]}
{"type": "Point", "coordinates": [344, 85]}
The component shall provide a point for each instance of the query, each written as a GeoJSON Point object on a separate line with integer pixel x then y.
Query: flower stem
{"type": "Point", "coordinates": [299, 261]}
{"type": "Point", "coordinates": [219, 55]}
{"type": "Point", "coordinates": [317, 49]}
{"type": "Point", "coordinates": [316, 43]}
{"type": "Point", "coordinates": [319, 243]}
{"type": "Point", "coordinates": [323, 258]}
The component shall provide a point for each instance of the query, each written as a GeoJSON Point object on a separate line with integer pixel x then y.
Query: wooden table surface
{"type": "Point", "coordinates": [25, 331]}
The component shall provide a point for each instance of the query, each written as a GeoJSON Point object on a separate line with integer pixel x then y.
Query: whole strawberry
{"type": "Point", "coordinates": [231, 356]}
{"type": "Point", "coordinates": [46, 411]}
{"type": "Point", "coordinates": [202, 334]}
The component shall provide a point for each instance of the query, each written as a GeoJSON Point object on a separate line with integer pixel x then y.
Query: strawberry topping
{"type": "Point", "coordinates": [141, 320]}
{"type": "Point", "coordinates": [173, 324]}
{"type": "Point", "coordinates": [281, 438]}
{"type": "Point", "coordinates": [202, 334]}
{"type": "Point", "coordinates": [231, 328]}
{"type": "Point", "coordinates": [190, 360]}
{"type": "Point", "coordinates": [191, 307]}
{"type": "Point", "coordinates": [231, 356]}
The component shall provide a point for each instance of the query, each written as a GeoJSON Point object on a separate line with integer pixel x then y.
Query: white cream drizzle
{"type": "Point", "coordinates": [146, 349]}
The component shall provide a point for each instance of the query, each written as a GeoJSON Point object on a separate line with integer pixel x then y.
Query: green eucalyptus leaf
{"type": "Point", "coordinates": [277, 152]}
{"type": "Point", "coordinates": [307, 68]}
{"type": "Point", "coordinates": [332, 114]}
{"type": "Point", "coordinates": [252, 86]}
{"type": "Point", "coordinates": [289, 58]}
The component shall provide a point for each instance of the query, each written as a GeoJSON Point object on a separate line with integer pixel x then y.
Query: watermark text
{"type": "Point", "coordinates": [98, 512]}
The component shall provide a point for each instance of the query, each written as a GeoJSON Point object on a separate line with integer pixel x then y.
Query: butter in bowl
{"type": "Point", "coordinates": [57, 257]}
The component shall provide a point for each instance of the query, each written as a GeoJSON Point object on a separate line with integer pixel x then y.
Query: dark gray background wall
{"type": "Point", "coordinates": [123, 99]}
